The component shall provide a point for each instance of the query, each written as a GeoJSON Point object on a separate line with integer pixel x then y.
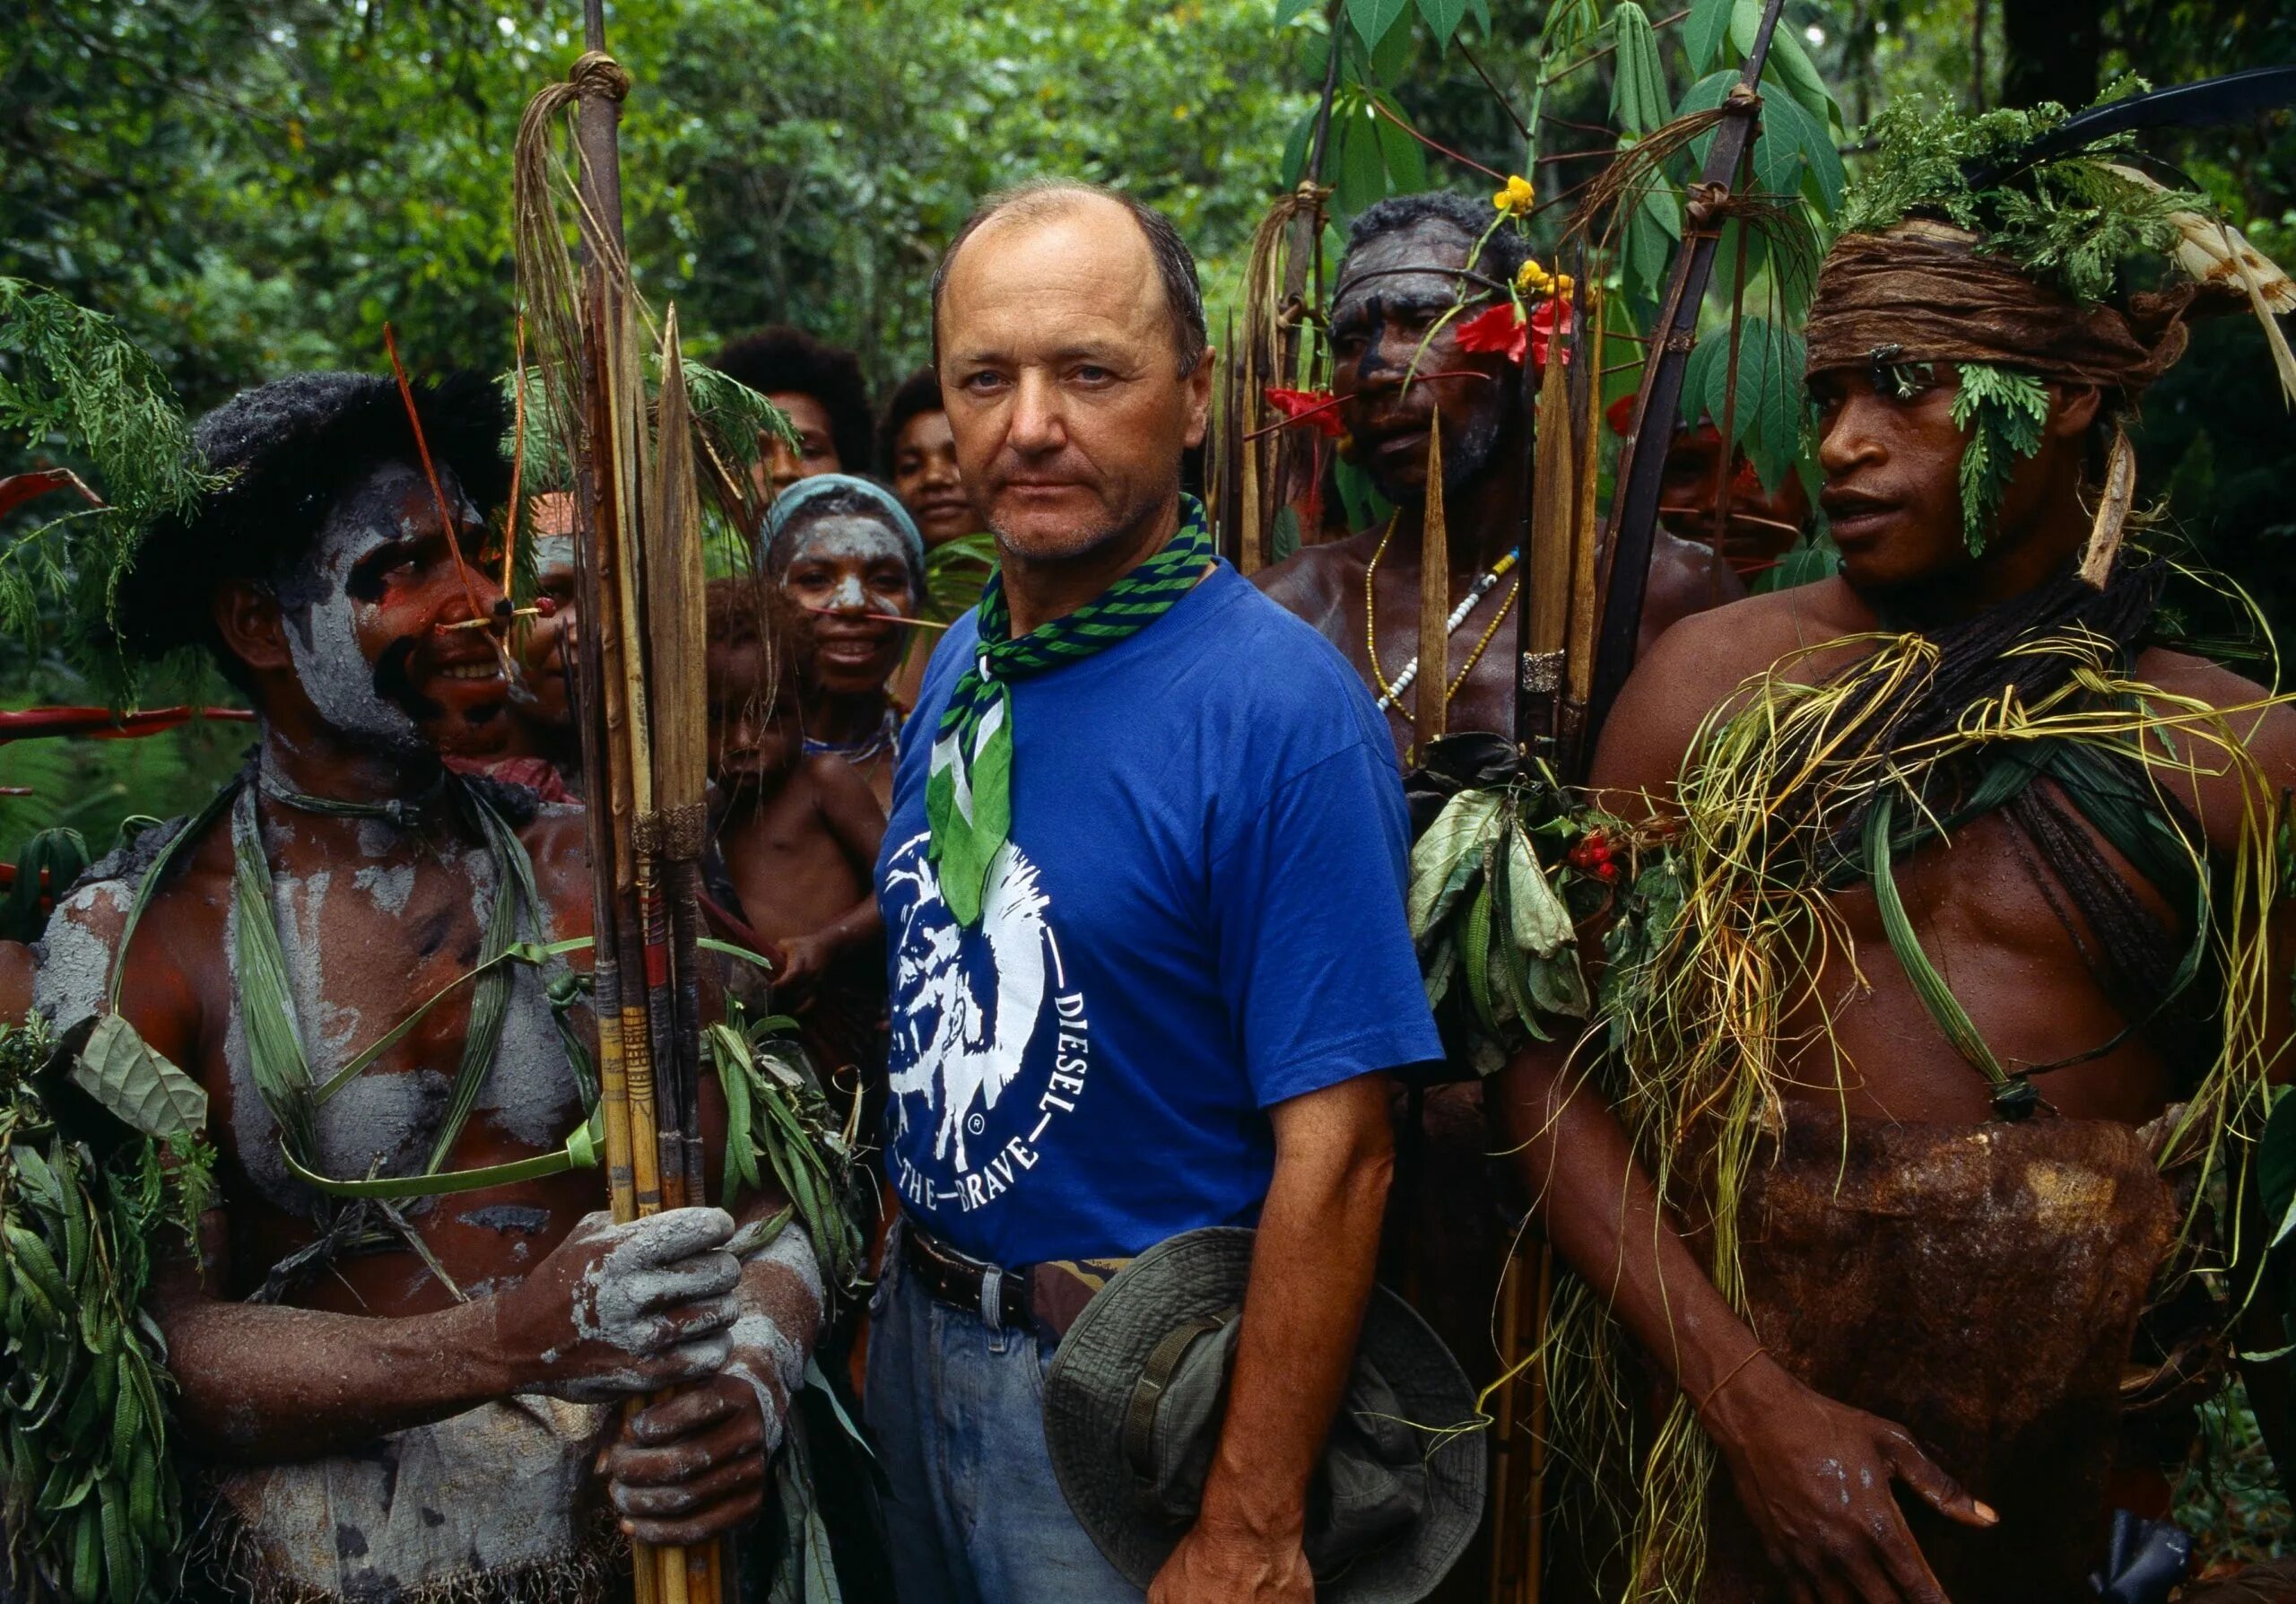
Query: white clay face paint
{"type": "Point", "coordinates": [852, 545]}
{"type": "Point", "coordinates": [322, 618]}
{"type": "Point", "coordinates": [554, 554]}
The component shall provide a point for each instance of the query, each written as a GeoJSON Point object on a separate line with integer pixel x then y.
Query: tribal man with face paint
{"type": "Point", "coordinates": [399, 1396]}
{"type": "Point", "coordinates": [1398, 362]}
{"type": "Point", "coordinates": [1409, 261]}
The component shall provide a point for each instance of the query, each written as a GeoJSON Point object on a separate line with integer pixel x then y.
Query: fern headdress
{"type": "Point", "coordinates": [1960, 247]}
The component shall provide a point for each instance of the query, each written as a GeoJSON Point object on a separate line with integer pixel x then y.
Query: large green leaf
{"type": "Point", "coordinates": [1363, 164]}
{"type": "Point", "coordinates": [1373, 18]}
{"type": "Point", "coordinates": [1295, 148]}
{"type": "Point", "coordinates": [1702, 374]}
{"type": "Point", "coordinates": [2276, 1168]}
{"type": "Point", "coordinates": [1443, 18]}
{"type": "Point", "coordinates": [1638, 99]}
{"type": "Point", "coordinates": [1708, 26]}
{"type": "Point", "coordinates": [119, 1070]}
{"type": "Point", "coordinates": [1791, 64]}
{"type": "Point", "coordinates": [1286, 11]}
{"type": "Point", "coordinates": [1786, 124]}
{"type": "Point", "coordinates": [1448, 856]}
{"type": "Point", "coordinates": [1542, 923]}
{"type": "Point", "coordinates": [1406, 164]}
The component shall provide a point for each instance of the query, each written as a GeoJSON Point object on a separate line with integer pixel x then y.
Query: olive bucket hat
{"type": "Point", "coordinates": [1133, 1408]}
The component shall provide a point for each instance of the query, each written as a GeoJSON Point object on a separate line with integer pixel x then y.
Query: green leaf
{"type": "Point", "coordinates": [1295, 148]}
{"type": "Point", "coordinates": [2276, 1168]}
{"type": "Point", "coordinates": [1638, 99]}
{"type": "Point", "coordinates": [120, 1071]}
{"type": "Point", "coordinates": [1786, 124]}
{"type": "Point", "coordinates": [1708, 26]}
{"type": "Point", "coordinates": [1788, 63]}
{"type": "Point", "coordinates": [1362, 165]}
{"type": "Point", "coordinates": [1286, 11]}
{"type": "Point", "coordinates": [1542, 923]}
{"type": "Point", "coordinates": [1373, 18]}
{"type": "Point", "coordinates": [1482, 9]}
{"type": "Point", "coordinates": [1443, 18]}
{"type": "Point", "coordinates": [1448, 856]}
{"type": "Point", "coordinates": [1709, 360]}
{"type": "Point", "coordinates": [1406, 164]}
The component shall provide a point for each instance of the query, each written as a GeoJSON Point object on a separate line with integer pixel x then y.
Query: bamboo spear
{"type": "Point", "coordinates": [639, 556]}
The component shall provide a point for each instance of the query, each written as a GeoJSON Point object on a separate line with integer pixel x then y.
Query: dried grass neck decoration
{"type": "Point", "coordinates": [1963, 248]}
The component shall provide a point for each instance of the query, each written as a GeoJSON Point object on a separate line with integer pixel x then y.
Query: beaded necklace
{"type": "Point", "coordinates": [1390, 694]}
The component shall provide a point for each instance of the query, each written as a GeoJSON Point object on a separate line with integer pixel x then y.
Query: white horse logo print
{"type": "Point", "coordinates": [954, 1050]}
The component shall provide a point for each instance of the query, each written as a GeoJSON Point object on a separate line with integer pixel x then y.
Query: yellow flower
{"type": "Point", "coordinates": [1516, 197]}
{"type": "Point", "coordinates": [1561, 285]}
{"type": "Point", "coordinates": [1533, 280]}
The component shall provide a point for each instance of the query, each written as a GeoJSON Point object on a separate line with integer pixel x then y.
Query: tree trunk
{"type": "Point", "coordinates": [2053, 50]}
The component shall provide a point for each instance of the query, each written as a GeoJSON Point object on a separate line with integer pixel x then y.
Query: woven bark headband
{"type": "Point", "coordinates": [1924, 288]}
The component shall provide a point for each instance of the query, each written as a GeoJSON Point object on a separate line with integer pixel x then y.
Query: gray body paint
{"type": "Point", "coordinates": [390, 1117]}
{"type": "Point", "coordinates": [473, 1499]}
{"type": "Point", "coordinates": [669, 1260]}
{"type": "Point", "coordinates": [771, 1345]}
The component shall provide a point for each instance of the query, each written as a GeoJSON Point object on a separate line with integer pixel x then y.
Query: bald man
{"type": "Point", "coordinates": [1126, 1001]}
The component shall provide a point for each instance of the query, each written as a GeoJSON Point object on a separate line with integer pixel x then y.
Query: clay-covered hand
{"type": "Point", "coordinates": [691, 1464]}
{"type": "Point", "coordinates": [1814, 1476]}
{"type": "Point", "coordinates": [617, 1309]}
{"type": "Point", "coordinates": [1223, 1565]}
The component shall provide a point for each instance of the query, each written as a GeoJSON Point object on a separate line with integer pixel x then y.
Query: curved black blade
{"type": "Point", "coordinates": [2235, 97]}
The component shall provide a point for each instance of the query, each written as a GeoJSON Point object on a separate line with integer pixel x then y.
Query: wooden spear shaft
{"type": "Point", "coordinates": [626, 843]}
{"type": "Point", "coordinates": [1634, 513]}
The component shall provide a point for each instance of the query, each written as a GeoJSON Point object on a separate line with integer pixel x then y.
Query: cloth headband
{"type": "Point", "coordinates": [1924, 290]}
{"type": "Point", "coordinates": [882, 504]}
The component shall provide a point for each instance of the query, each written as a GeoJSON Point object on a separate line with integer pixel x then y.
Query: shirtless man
{"type": "Point", "coordinates": [1403, 271]}
{"type": "Point", "coordinates": [1993, 1229]}
{"type": "Point", "coordinates": [799, 832]}
{"type": "Point", "coordinates": [406, 1397]}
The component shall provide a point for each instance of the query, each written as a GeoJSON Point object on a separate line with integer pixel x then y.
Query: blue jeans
{"type": "Point", "coordinates": [975, 1515]}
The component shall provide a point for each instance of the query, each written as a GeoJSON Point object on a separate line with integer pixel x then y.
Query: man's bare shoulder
{"type": "Point", "coordinates": [1314, 575]}
{"type": "Point", "coordinates": [2264, 724]}
{"type": "Point", "coordinates": [1725, 645]}
{"type": "Point", "coordinates": [185, 916]}
{"type": "Point", "coordinates": [1698, 663]}
{"type": "Point", "coordinates": [558, 843]}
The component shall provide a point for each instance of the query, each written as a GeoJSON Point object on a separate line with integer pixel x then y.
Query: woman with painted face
{"type": "Point", "coordinates": [846, 555]}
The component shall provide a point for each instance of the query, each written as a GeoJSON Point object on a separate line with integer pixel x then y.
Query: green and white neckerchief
{"type": "Point", "coordinates": [969, 791]}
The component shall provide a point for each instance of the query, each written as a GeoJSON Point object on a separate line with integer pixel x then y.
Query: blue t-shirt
{"type": "Point", "coordinates": [1200, 914]}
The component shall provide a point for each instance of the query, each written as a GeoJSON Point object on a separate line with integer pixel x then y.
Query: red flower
{"type": "Point", "coordinates": [1318, 409]}
{"type": "Point", "coordinates": [1543, 327]}
{"type": "Point", "coordinates": [1498, 330]}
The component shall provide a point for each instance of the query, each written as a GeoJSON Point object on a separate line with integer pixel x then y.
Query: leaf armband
{"type": "Point", "coordinates": [1500, 884]}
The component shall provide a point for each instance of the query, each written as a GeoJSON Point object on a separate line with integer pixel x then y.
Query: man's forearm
{"type": "Point", "coordinates": [262, 1384]}
{"type": "Point", "coordinates": [1603, 1216]}
{"type": "Point", "coordinates": [1312, 1265]}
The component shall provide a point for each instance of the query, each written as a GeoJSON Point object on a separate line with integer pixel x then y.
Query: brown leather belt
{"type": "Point", "coordinates": [999, 1296]}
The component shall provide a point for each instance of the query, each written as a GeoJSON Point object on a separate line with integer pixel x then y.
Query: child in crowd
{"type": "Point", "coordinates": [796, 833]}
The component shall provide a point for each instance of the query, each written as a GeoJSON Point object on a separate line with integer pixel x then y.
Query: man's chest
{"type": "Point", "coordinates": [382, 966]}
{"type": "Point", "coordinates": [1477, 655]}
